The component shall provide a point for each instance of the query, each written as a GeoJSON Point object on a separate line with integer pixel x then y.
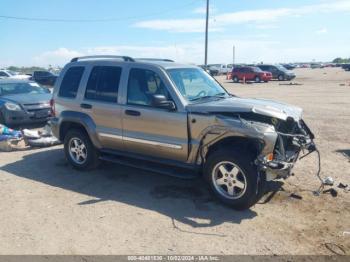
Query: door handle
{"type": "Point", "coordinates": [132, 113]}
{"type": "Point", "coordinates": [86, 106]}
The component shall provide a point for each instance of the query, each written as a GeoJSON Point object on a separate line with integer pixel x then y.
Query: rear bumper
{"type": "Point", "coordinates": [266, 78]}
{"type": "Point", "coordinates": [55, 128]}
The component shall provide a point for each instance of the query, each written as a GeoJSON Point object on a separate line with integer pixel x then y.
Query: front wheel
{"type": "Point", "coordinates": [233, 178]}
{"type": "Point", "coordinates": [257, 79]}
{"type": "Point", "coordinates": [235, 79]}
{"type": "Point", "coordinates": [281, 78]}
{"type": "Point", "coordinates": [79, 150]}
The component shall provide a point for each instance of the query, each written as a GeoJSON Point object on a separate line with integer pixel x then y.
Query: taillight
{"type": "Point", "coordinates": [53, 109]}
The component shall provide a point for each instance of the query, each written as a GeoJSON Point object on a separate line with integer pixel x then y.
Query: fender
{"type": "Point", "coordinates": [81, 119]}
{"type": "Point", "coordinates": [225, 127]}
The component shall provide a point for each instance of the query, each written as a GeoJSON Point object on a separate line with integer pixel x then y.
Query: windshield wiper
{"type": "Point", "coordinates": [219, 95]}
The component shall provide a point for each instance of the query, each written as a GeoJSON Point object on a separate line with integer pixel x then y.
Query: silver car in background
{"type": "Point", "coordinates": [23, 102]}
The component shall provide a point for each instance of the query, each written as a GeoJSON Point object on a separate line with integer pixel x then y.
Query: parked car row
{"type": "Point", "coordinates": [346, 67]}
{"type": "Point", "coordinates": [41, 77]}
{"type": "Point", "coordinates": [261, 72]}
{"type": "Point", "coordinates": [4, 73]}
{"type": "Point", "coordinates": [250, 73]}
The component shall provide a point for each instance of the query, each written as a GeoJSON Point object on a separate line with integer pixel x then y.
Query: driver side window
{"type": "Point", "coordinates": [142, 85]}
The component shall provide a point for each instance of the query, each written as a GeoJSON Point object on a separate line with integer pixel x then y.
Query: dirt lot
{"type": "Point", "coordinates": [49, 208]}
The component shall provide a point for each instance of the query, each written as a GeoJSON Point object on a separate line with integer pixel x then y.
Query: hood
{"type": "Point", "coordinates": [28, 98]}
{"type": "Point", "coordinates": [258, 106]}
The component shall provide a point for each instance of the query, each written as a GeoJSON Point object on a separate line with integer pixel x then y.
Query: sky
{"type": "Point", "coordinates": [43, 33]}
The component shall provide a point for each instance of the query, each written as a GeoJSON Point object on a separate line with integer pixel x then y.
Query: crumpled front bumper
{"type": "Point", "coordinates": [282, 164]}
{"type": "Point", "coordinates": [276, 169]}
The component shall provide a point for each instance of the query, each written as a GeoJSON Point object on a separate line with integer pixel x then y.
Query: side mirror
{"type": "Point", "coordinates": [161, 101]}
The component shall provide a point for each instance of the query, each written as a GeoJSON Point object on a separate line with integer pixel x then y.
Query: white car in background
{"type": "Point", "coordinates": [4, 73]}
{"type": "Point", "coordinates": [221, 69]}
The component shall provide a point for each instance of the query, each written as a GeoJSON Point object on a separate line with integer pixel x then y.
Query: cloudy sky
{"type": "Point", "coordinates": [41, 32]}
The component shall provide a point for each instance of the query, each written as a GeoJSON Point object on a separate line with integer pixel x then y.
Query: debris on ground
{"type": "Point", "coordinates": [13, 140]}
{"type": "Point", "coordinates": [342, 186]}
{"type": "Point", "coordinates": [332, 191]}
{"type": "Point", "coordinates": [335, 248]}
{"type": "Point", "coordinates": [291, 84]}
{"type": "Point", "coordinates": [10, 139]}
{"type": "Point", "coordinates": [293, 195]}
{"type": "Point", "coordinates": [328, 181]}
{"type": "Point", "coordinates": [40, 138]}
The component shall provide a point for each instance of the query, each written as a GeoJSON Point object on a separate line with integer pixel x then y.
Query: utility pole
{"type": "Point", "coordinates": [206, 36]}
{"type": "Point", "coordinates": [233, 54]}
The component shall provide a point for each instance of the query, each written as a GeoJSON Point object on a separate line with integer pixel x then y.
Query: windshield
{"type": "Point", "coordinates": [195, 83]}
{"type": "Point", "coordinates": [21, 88]}
{"type": "Point", "coordinates": [282, 68]}
{"type": "Point", "coordinates": [256, 69]}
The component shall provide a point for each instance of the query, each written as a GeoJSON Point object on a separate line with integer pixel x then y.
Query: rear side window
{"type": "Point", "coordinates": [71, 81]}
{"type": "Point", "coordinates": [103, 83]}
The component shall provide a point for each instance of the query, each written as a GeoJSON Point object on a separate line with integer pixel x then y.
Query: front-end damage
{"type": "Point", "coordinates": [293, 137]}
{"type": "Point", "coordinates": [280, 141]}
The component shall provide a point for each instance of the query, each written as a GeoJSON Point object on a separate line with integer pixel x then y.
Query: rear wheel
{"type": "Point", "coordinates": [235, 79]}
{"type": "Point", "coordinates": [79, 150]}
{"type": "Point", "coordinates": [233, 178]}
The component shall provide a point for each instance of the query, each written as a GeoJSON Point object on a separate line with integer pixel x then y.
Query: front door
{"type": "Point", "coordinates": [149, 130]}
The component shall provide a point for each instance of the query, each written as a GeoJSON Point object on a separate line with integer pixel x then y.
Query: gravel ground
{"type": "Point", "coordinates": [49, 208]}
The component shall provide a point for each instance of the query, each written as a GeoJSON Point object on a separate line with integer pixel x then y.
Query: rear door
{"type": "Point", "coordinates": [100, 102]}
{"type": "Point", "coordinates": [149, 130]}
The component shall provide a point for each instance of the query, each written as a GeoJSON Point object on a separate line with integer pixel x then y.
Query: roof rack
{"type": "Point", "coordinates": [125, 58]}
{"type": "Point", "coordinates": [155, 59]}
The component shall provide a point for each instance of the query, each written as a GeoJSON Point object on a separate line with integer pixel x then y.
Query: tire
{"type": "Point", "coordinates": [242, 177]}
{"type": "Point", "coordinates": [281, 77]}
{"type": "Point", "coordinates": [2, 119]}
{"type": "Point", "coordinates": [257, 79]}
{"type": "Point", "coordinates": [85, 156]}
{"type": "Point", "coordinates": [235, 79]}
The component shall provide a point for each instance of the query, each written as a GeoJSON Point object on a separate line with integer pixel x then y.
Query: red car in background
{"type": "Point", "coordinates": [250, 73]}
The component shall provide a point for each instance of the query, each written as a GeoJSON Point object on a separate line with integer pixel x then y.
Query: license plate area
{"type": "Point", "coordinates": [41, 113]}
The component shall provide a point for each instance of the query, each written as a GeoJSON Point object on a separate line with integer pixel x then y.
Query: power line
{"type": "Point", "coordinates": [35, 19]}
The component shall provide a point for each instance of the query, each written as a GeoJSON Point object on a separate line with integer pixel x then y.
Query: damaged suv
{"type": "Point", "coordinates": [175, 119]}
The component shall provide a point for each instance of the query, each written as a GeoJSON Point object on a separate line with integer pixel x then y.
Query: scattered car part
{"type": "Point", "coordinates": [332, 191]}
{"type": "Point", "coordinates": [342, 186]}
{"type": "Point", "coordinates": [293, 195]}
{"type": "Point", "coordinates": [328, 181]}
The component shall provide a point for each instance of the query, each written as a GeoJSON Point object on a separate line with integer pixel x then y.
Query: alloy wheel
{"type": "Point", "coordinates": [229, 180]}
{"type": "Point", "coordinates": [77, 150]}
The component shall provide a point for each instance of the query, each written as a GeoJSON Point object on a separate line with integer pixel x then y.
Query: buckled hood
{"type": "Point", "coordinates": [259, 106]}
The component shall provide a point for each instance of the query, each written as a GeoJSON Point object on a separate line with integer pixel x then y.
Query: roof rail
{"type": "Point", "coordinates": [155, 59]}
{"type": "Point", "coordinates": [125, 58]}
